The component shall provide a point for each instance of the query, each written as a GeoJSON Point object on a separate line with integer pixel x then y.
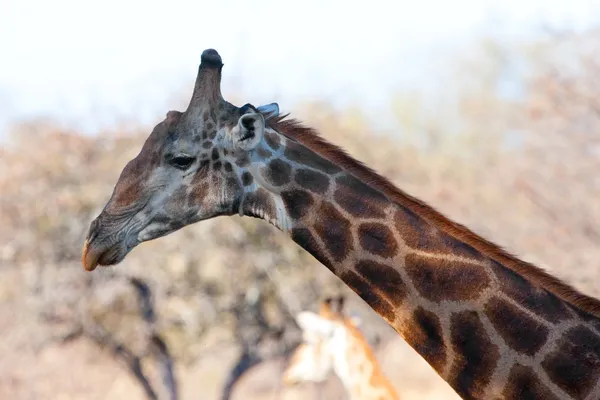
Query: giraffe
{"type": "Point", "coordinates": [332, 341]}
{"type": "Point", "coordinates": [491, 325]}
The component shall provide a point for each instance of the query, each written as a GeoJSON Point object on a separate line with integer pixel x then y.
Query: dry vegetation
{"type": "Point", "coordinates": [224, 291]}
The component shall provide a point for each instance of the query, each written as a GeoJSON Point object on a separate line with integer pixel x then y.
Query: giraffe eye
{"type": "Point", "coordinates": [182, 162]}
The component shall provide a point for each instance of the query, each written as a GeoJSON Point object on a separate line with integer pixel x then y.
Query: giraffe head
{"type": "Point", "coordinates": [192, 167]}
{"type": "Point", "coordinates": [325, 339]}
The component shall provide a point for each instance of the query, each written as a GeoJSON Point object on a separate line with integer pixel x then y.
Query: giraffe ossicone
{"type": "Point", "coordinates": [490, 324]}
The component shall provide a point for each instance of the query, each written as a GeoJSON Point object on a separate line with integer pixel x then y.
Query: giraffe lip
{"type": "Point", "coordinates": [89, 256]}
{"type": "Point", "coordinates": [94, 254]}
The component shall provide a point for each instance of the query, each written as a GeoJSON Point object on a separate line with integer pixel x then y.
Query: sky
{"type": "Point", "coordinates": [90, 64]}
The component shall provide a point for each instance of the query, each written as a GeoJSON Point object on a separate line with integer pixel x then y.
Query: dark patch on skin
{"type": "Point", "coordinates": [242, 159]}
{"type": "Point", "coordinates": [377, 239]}
{"type": "Point", "coordinates": [272, 140]}
{"type": "Point", "coordinates": [297, 203]}
{"type": "Point", "coordinates": [476, 355]}
{"type": "Point", "coordinates": [277, 172]}
{"type": "Point", "coordinates": [305, 239]}
{"type": "Point", "coordinates": [519, 331]}
{"type": "Point", "coordinates": [217, 165]}
{"type": "Point", "coordinates": [355, 185]}
{"type": "Point", "coordinates": [424, 333]}
{"type": "Point", "coordinates": [420, 234]}
{"type": "Point", "coordinates": [385, 278]}
{"type": "Point", "coordinates": [264, 153]}
{"type": "Point", "coordinates": [204, 135]}
{"type": "Point", "coordinates": [215, 154]}
{"type": "Point", "coordinates": [370, 296]}
{"type": "Point", "coordinates": [300, 154]}
{"type": "Point", "coordinates": [314, 181]}
{"type": "Point", "coordinates": [259, 204]}
{"type": "Point", "coordinates": [247, 178]}
{"type": "Point", "coordinates": [205, 115]}
{"type": "Point", "coordinates": [540, 301]}
{"type": "Point", "coordinates": [438, 280]}
{"type": "Point", "coordinates": [207, 145]}
{"type": "Point", "coordinates": [356, 202]}
{"type": "Point", "coordinates": [523, 384]}
{"type": "Point", "coordinates": [575, 364]}
{"type": "Point", "coordinates": [334, 230]}
{"type": "Point", "coordinates": [228, 167]}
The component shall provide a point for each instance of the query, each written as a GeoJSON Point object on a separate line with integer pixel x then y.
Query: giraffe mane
{"type": "Point", "coordinates": [309, 137]}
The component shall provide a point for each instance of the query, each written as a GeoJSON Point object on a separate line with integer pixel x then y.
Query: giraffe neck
{"type": "Point", "coordinates": [356, 366]}
{"type": "Point", "coordinates": [485, 329]}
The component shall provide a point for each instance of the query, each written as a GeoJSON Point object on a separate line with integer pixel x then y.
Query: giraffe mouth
{"type": "Point", "coordinates": [94, 254]}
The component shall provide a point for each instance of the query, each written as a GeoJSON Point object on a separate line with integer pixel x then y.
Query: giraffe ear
{"type": "Point", "coordinates": [311, 322]}
{"type": "Point", "coordinates": [249, 131]}
{"type": "Point", "coordinates": [269, 110]}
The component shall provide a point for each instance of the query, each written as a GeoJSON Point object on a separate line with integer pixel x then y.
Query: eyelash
{"type": "Point", "coordinates": [182, 162]}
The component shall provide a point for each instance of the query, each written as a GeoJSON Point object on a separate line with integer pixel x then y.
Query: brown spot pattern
{"type": "Point", "coordinates": [538, 300]}
{"type": "Point", "coordinates": [385, 278]}
{"type": "Point", "coordinates": [300, 154]}
{"type": "Point", "coordinates": [247, 178]}
{"type": "Point", "coordinates": [424, 333]}
{"type": "Point", "coordinates": [523, 384]}
{"type": "Point", "coordinates": [575, 365]}
{"type": "Point", "coordinates": [357, 202]}
{"type": "Point", "coordinates": [297, 203]}
{"type": "Point", "coordinates": [334, 231]}
{"type": "Point", "coordinates": [476, 355]}
{"type": "Point", "coordinates": [264, 153]}
{"type": "Point", "coordinates": [420, 234]}
{"type": "Point", "coordinates": [438, 280]}
{"type": "Point", "coordinates": [242, 159]}
{"type": "Point", "coordinates": [519, 330]}
{"type": "Point", "coordinates": [366, 292]}
{"type": "Point", "coordinates": [314, 181]}
{"type": "Point", "coordinates": [277, 172]}
{"type": "Point", "coordinates": [355, 185]}
{"type": "Point", "coordinates": [377, 239]}
{"type": "Point", "coordinates": [304, 238]}
{"type": "Point", "coordinates": [272, 140]}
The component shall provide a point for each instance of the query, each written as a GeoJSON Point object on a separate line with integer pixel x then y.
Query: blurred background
{"type": "Point", "coordinates": [488, 110]}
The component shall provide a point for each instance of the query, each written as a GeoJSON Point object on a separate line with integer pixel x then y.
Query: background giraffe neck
{"type": "Point", "coordinates": [359, 371]}
{"type": "Point", "coordinates": [487, 330]}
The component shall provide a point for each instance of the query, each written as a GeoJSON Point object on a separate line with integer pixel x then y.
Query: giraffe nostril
{"type": "Point", "coordinates": [92, 232]}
